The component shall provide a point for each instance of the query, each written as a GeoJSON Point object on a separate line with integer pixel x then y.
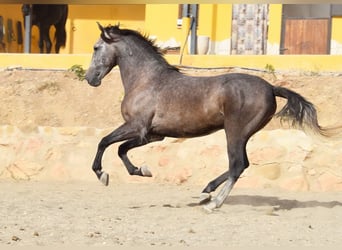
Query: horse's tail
{"type": "Point", "coordinates": [60, 34]}
{"type": "Point", "coordinates": [60, 37]}
{"type": "Point", "coordinates": [301, 113]}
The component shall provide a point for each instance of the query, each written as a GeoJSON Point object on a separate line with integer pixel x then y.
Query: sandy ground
{"type": "Point", "coordinates": [87, 213]}
{"type": "Point", "coordinates": [132, 214]}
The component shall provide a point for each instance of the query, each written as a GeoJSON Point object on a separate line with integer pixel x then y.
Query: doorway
{"type": "Point", "coordinates": [306, 29]}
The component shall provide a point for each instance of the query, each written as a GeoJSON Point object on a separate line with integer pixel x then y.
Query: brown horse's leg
{"type": "Point", "coordinates": [128, 145]}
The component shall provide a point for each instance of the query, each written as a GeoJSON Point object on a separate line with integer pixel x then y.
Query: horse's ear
{"type": "Point", "coordinates": [107, 34]}
{"type": "Point", "coordinates": [100, 26]}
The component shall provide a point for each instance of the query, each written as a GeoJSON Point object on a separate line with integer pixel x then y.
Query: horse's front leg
{"type": "Point", "coordinates": [128, 145]}
{"type": "Point", "coordinates": [124, 132]}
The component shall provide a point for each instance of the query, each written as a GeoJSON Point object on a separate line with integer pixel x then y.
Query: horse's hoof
{"type": "Point", "coordinates": [204, 198]}
{"type": "Point", "coordinates": [145, 171]}
{"type": "Point", "coordinates": [104, 178]}
{"type": "Point", "coordinates": [209, 208]}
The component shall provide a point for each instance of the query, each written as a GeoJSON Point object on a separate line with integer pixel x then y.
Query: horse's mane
{"type": "Point", "coordinates": [146, 41]}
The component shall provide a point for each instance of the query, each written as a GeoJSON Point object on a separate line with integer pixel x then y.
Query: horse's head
{"type": "Point", "coordinates": [104, 56]}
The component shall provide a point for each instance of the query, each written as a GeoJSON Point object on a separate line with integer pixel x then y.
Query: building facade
{"type": "Point", "coordinates": [226, 29]}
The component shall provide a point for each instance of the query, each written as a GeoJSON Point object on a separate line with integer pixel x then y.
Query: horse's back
{"type": "Point", "coordinates": [229, 86]}
{"type": "Point", "coordinates": [194, 91]}
{"type": "Point", "coordinates": [246, 81]}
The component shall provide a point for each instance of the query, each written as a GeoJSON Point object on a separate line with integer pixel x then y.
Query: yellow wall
{"type": "Point", "coordinates": [336, 33]}
{"type": "Point", "coordinates": [274, 29]}
{"type": "Point", "coordinates": [82, 31]}
{"type": "Point", "coordinates": [161, 21]}
{"type": "Point", "coordinates": [223, 21]}
{"type": "Point", "coordinates": [215, 21]}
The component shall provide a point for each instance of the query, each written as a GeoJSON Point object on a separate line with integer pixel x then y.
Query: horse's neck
{"type": "Point", "coordinates": [138, 71]}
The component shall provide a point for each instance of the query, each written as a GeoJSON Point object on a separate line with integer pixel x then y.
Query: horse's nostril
{"type": "Point", "coordinates": [97, 73]}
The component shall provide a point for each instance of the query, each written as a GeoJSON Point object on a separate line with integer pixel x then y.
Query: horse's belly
{"type": "Point", "coordinates": [186, 124]}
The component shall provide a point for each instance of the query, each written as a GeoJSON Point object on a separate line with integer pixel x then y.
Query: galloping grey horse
{"type": "Point", "coordinates": [162, 102]}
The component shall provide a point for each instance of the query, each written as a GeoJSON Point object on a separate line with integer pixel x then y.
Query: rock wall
{"type": "Point", "coordinates": [287, 159]}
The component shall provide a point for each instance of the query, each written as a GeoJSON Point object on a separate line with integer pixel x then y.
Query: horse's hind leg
{"type": "Point", "coordinates": [211, 187]}
{"type": "Point", "coordinates": [238, 162]}
{"type": "Point", "coordinates": [237, 134]}
{"type": "Point", "coordinates": [128, 145]}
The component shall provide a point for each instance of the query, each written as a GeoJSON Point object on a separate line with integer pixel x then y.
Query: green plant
{"type": "Point", "coordinates": [79, 71]}
{"type": "Point", "coordinates": [270, 69]}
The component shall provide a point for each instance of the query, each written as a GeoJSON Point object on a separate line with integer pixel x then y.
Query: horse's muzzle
{"type": "Point", "coordinates": [93, 79]}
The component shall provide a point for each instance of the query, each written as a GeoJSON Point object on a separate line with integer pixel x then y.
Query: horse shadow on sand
{"type": "Point", "coordinates": [276, 202]}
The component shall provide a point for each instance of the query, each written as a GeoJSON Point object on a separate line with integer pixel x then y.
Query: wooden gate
{"type": "Point", "coordinates": [306, 36]}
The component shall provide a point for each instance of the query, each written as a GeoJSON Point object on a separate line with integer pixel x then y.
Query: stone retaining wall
{"type": "Point", "coordinates": [287, 159]}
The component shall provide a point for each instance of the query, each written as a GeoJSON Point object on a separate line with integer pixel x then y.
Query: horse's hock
{"type": "Point", "coordinates": [286, 159]}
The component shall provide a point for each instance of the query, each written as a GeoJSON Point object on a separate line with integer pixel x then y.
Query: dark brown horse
{"type": "Point", "coordinates": [162, 102]}
{"type": "Point", "coordinates": [46, 15]}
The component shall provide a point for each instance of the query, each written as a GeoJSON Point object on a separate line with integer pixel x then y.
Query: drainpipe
{"type": "Point", "coordinates": [192, 13]}
{"type": "Point", "coordinates": [185, 11]}
{"type": "Point", "coordinates": [26, 9]}
{"type": "Point", "coordinates": [193, 37]}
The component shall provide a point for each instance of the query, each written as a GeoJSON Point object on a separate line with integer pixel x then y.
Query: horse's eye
{"type": "Point", "coordinates": [96, 47]}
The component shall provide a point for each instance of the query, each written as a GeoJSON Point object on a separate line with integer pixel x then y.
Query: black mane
{"type": "Point", "coordinates": [147, 42]}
